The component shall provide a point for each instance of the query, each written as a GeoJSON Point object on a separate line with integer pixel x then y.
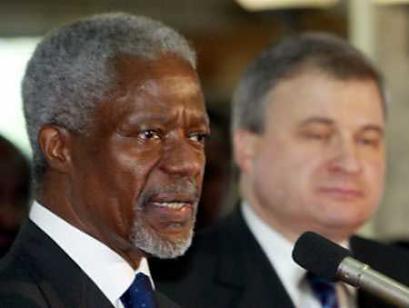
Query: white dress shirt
{"type": "Point", "coordinates": [108, 270]}
{"type": "Point", "coordinates": [278, 251]}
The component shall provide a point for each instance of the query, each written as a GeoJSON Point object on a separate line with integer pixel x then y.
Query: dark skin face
{"type": "Point", "coordinates": [141, 158]}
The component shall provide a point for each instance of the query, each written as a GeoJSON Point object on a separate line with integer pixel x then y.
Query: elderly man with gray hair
{"type": "Point", "coordinates": [117, 122]}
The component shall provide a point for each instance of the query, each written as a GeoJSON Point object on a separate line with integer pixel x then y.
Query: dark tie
{"type": "Point", "coordinates": [139, 294]}
{"type": "Point", "coordinates": [324, 290]}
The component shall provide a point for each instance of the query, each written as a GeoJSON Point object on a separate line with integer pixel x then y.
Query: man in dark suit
{"type": "Point", "coordinates": [117, 122]}
{"type": "Point", "coordinates": [308, 135]}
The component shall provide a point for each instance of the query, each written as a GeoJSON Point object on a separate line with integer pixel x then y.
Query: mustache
{"type": "Point", "coordinates": [184, 188]}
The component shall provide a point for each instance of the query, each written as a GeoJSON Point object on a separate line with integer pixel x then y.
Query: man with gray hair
{"type": "Point", "coordinates": [117, 122]}
{"type": "Point", "coordinates": [308, 136]}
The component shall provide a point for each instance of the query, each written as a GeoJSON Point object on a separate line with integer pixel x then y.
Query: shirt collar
{"type": "Point", "coordinates": [277, 249]}
{"type": "Point", "coordinates": [107, 269]}
{"type": "Point", "coordinates": [279, 252]}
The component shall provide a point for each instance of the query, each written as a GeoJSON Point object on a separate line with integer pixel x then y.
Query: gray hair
{"type": "Point", "coordinates": [72, 69]}
{"type": "Point", "coordinates": [295, 55]}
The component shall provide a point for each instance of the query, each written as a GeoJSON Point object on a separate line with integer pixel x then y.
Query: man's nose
{"type": "Point", "coordinates": [345, 156]}
{"type": "Point", "coordinates": [183, 158]}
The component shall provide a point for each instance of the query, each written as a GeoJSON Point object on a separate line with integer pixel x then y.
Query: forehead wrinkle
{"type": "Point", "coordinates": [176, 85]}
{"type": "Point", "coordinates": [182, 86]}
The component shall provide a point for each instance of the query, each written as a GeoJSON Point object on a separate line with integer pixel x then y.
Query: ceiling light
{"type": "Point", "coordinates": [258, 5]}
{"type": "Point", "coordinates": [391, 1]}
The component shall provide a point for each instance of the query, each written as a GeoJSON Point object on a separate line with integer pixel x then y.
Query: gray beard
{"type": "Point", "coordinates": [145, 238]}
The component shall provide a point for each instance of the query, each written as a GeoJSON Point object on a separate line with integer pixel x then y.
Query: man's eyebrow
{"type": "Point", "coordinates": [316, 120]}
{"type": "Point", "coordinates": [375, 128]}
{"type": "Point", "coordinates": [320, 120]}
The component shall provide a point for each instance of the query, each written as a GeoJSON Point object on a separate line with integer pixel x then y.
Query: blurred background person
{"type": "Point", "coordinates": [216, 191]}
{"type": "Point", "coordinates": [14, 192]}
{"type": "Point", "coordinates": [308, 138]}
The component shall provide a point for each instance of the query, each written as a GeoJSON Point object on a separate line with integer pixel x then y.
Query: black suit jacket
{"type": "Point", "coordinates": [227, 268]}
{"type": "Point", "coordinates": [38, 273]}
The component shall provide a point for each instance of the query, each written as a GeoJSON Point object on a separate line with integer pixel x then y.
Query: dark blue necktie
{"type": "Point", "coordinates": [139, 294]}
{"type": "Point", "coordinates": [324, 290]}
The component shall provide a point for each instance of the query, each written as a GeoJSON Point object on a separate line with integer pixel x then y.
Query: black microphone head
{"type": "Point", "coordinates": [319, 255]}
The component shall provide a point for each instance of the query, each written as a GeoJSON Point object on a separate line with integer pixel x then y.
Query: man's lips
{"type": "Point", "coordinates": [342, 193]}
{"type": "Point", "coordinates": [174, 205]}
{"type": "Point", "coordinates": [169, 210]}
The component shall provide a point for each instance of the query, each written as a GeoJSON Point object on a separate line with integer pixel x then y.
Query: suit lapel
{"type": "Point", "coordinates": [245, 269]}
{"type": "Point", "coordinates": [59, 278]}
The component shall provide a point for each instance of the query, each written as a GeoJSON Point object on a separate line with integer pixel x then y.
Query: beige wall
{"type": "Point", "coordinates": [392, 56]}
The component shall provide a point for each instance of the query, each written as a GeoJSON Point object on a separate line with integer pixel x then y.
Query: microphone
{"type": "Point", "coordinates": [329, 260]}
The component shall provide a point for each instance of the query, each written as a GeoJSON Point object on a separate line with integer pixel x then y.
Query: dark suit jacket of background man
{"type": "Point", "coordinates": [226, 268]}
{"type": "Point", "coordinates": [40, 274]}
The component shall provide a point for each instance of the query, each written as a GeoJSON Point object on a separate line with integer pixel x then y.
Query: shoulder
{"type": "Point", "coordinates": [373, 250]}
{"type": "Point", "coordinates": [227, 235]}
{"type": "Point", "coordinates": [19, 264]}
{"type": "Point", "coordinates": [17, 286]}
{"type": "Point", "coordinates": [19, 302]}
{"type": "Point", "coordinates": [164, 302]}
{"type": "Point", "coordinates": [25, 271]}
{"type": "Point", "coordinates": [207, 245]}
{"type": "Point", "coordinates": [204, 275]}
{"type": "Point", "coordinates": [388, 259]}
{"type": "Point", "coordinates": [219, 270]}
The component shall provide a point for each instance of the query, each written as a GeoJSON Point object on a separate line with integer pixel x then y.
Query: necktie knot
{"type": "Point", "coordinates": [324, 290]}
{"type": "Point", "coordinates": [139, 294]}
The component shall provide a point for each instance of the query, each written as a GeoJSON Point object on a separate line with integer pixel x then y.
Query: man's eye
{"type": "Point", "coordinates": [373, 142]}
{"type": "Point", "coordinates": [198, 137]}
{"type": "Point", "coordinates": [149, 134]}
{"type": "Point", "coordinates": [316, 135]}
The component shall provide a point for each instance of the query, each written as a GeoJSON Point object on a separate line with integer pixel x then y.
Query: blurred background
{"type": "Point", "coordinates": [227, 34]}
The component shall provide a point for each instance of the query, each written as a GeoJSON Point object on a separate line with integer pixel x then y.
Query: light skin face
{"type": "Point", "coordinates": [319, 164]}
{"type": "Point", "coordinates": [142, 158]}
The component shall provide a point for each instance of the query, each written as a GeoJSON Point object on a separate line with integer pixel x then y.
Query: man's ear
{"type": "Point", "coordinates": [55, 144]}
{"type": "Point", "coordinates": [245, 144]}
